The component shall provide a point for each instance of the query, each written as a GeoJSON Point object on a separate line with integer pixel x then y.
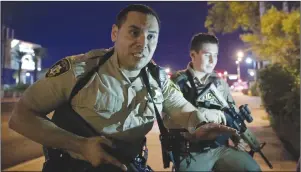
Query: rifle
{"type": "Point", "coordinates": [210, 97]}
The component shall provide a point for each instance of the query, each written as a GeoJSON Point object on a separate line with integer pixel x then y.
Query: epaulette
{"type": "Point", "coordinates": [91, 58]}
{"type": "Point", "coordinates": [94, 57]}
{"type": "Point", "coordinates": [179, 76]}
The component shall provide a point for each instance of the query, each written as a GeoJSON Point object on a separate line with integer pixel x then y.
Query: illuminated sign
{"type": "Point", "coordinates": [27, 62]}
{"type": "Point", "coordinates": [232, 76]}
{"type": "Point", "coordinates": [11, 55]}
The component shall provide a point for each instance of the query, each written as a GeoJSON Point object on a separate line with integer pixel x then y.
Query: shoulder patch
{"type": "Point", "coordinates": [59, 68]}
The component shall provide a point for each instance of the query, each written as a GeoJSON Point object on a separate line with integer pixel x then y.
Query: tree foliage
{"type": "Point", "coordinates": [226, 17]}
{"type": "Point", "coordinates": [275, 36]}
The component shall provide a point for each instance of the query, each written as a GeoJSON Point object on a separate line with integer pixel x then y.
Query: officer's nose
{"type": "Point", "coordinates": [210, 59]}
{"type": "Point", "coordinates": [142, 41]}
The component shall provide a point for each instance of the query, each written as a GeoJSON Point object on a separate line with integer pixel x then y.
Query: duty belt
{"type": "Point", "coordinates": [187, 146]}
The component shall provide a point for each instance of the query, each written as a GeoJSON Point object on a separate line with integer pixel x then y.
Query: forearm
{"type": "Point", "coordinates": [31, 125]}
{"type": "Point", "coordinates": [188, 117]}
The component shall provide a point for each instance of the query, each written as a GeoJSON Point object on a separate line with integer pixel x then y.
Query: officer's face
{"type": "Point", "coordinates": [136, 40]}
{"type": "Point", "coordinates": [205, 60]}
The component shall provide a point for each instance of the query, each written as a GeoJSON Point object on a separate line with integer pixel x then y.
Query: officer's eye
{"type": "Point", "coordinates": [134, 33]}
{"type": "Point", "coordinates": [151, 36]}
{"type": "Point", "coordinates": [207, 54]}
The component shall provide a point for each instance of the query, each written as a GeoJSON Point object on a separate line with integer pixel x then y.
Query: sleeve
{"type": "Point", "coordinates": [179, 110]}
{"type": "Point", "coordinates": [173, 97]}
{"type": "Point", "coordinates": [51, 91]}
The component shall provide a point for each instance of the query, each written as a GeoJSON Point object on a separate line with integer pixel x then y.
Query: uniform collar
{"type": "Point", "coordinates": [195, 74]}
{"type": "Point", "coordinates": [115, 63]}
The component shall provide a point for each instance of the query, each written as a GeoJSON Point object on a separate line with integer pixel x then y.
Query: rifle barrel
{"type": "Point", "coordinates": [265, 159]}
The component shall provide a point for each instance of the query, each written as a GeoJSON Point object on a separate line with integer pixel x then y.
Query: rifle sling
{"type": "Point", "coordinates": [162, 129]}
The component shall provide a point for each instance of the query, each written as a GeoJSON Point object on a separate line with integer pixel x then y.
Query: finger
{"type": "Point", "coordinates": [106, 141]}
{"type": "Point", "coordinates": [112, 160]}
{"type": "Point", "coordinates": [227, 130]}
{"type": "Point", "coordinates": [241, 147]}
{"type": "Point", "coordinates": [222, 129]}
{"type": "Point", "coordinates": [207, 131]}
{"type": "Point", "coordinates": [236, 138]}
{"type": "Point", "coordinates": [212, 130]}
{"type": "Point", "coordinates": [209, 126]}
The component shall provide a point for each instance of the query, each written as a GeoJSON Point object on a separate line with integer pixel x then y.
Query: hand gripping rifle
{"type": "Point", "coordinates": [210, 97]}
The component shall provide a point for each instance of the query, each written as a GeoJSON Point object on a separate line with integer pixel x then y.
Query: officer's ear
{"type": "Point", "coordinates": [114, 33]}
{"type": "Point", "coordinates": [192, 54]}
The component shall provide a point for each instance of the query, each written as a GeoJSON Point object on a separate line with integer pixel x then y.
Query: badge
{"type": "Point", "coordinates": [59, 68]}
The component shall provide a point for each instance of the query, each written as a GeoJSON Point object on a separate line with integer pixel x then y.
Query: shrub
{"type": "Point", "coordinates": [280, 92]}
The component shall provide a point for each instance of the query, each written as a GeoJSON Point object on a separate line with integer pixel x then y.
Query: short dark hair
{"type": "Point", "coordinates": [121, 17]}
{"type": "Point", "coordinates": [201, 38]}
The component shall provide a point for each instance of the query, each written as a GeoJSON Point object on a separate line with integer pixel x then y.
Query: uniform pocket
{"type": "Point", "coordinates": [158, 100]}
{"type": "Point", "coordinates": [107, 104]}
{"type": "Point", "coordinates": [158, 96]}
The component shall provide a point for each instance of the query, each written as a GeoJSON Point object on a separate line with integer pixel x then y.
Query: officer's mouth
{"type": "Point", "coordinates": [138, 55]}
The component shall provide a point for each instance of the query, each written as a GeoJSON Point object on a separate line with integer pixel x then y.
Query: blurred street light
{"type": "Point", "coordinates": [240, 55]}
{"type": "Point", "coordinates": [232, 77]}
{"type": "Point", "coordinates": [252, 73]}
{"type": "Point", "coordinates": [167, 70]}
{"type": "Point", "coordinates": [27, 74]}
{"type": "Point", "coordinates": [249, 60]}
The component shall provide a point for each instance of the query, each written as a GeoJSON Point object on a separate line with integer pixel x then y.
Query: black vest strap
{"type": "Point", "coordinates": [194, 92]}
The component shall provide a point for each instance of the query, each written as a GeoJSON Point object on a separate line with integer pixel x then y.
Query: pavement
{"type": "Point", "coordinates": [274, 149]}
{"type": "Point", "coordinates": [9, 99]}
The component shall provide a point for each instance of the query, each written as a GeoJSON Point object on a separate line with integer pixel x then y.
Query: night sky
{"type": "Point", "coordinates": [67, 28]}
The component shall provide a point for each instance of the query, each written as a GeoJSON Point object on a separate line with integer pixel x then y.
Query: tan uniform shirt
{"type": "Point", "coordinates": [222, 87]}
{"type": "Point", "coordinates": [110, 102]}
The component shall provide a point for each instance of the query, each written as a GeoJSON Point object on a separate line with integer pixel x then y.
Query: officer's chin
{"type": "Point", "coordinates": [208, 71]}
{"type": "Point", "coordinates": [137, 66]}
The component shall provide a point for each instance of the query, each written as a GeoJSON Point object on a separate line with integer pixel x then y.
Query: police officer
{"type": "Point", "coordinates": [191, 81]}
{"type": "Point", "coordinates": [114, 101]}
